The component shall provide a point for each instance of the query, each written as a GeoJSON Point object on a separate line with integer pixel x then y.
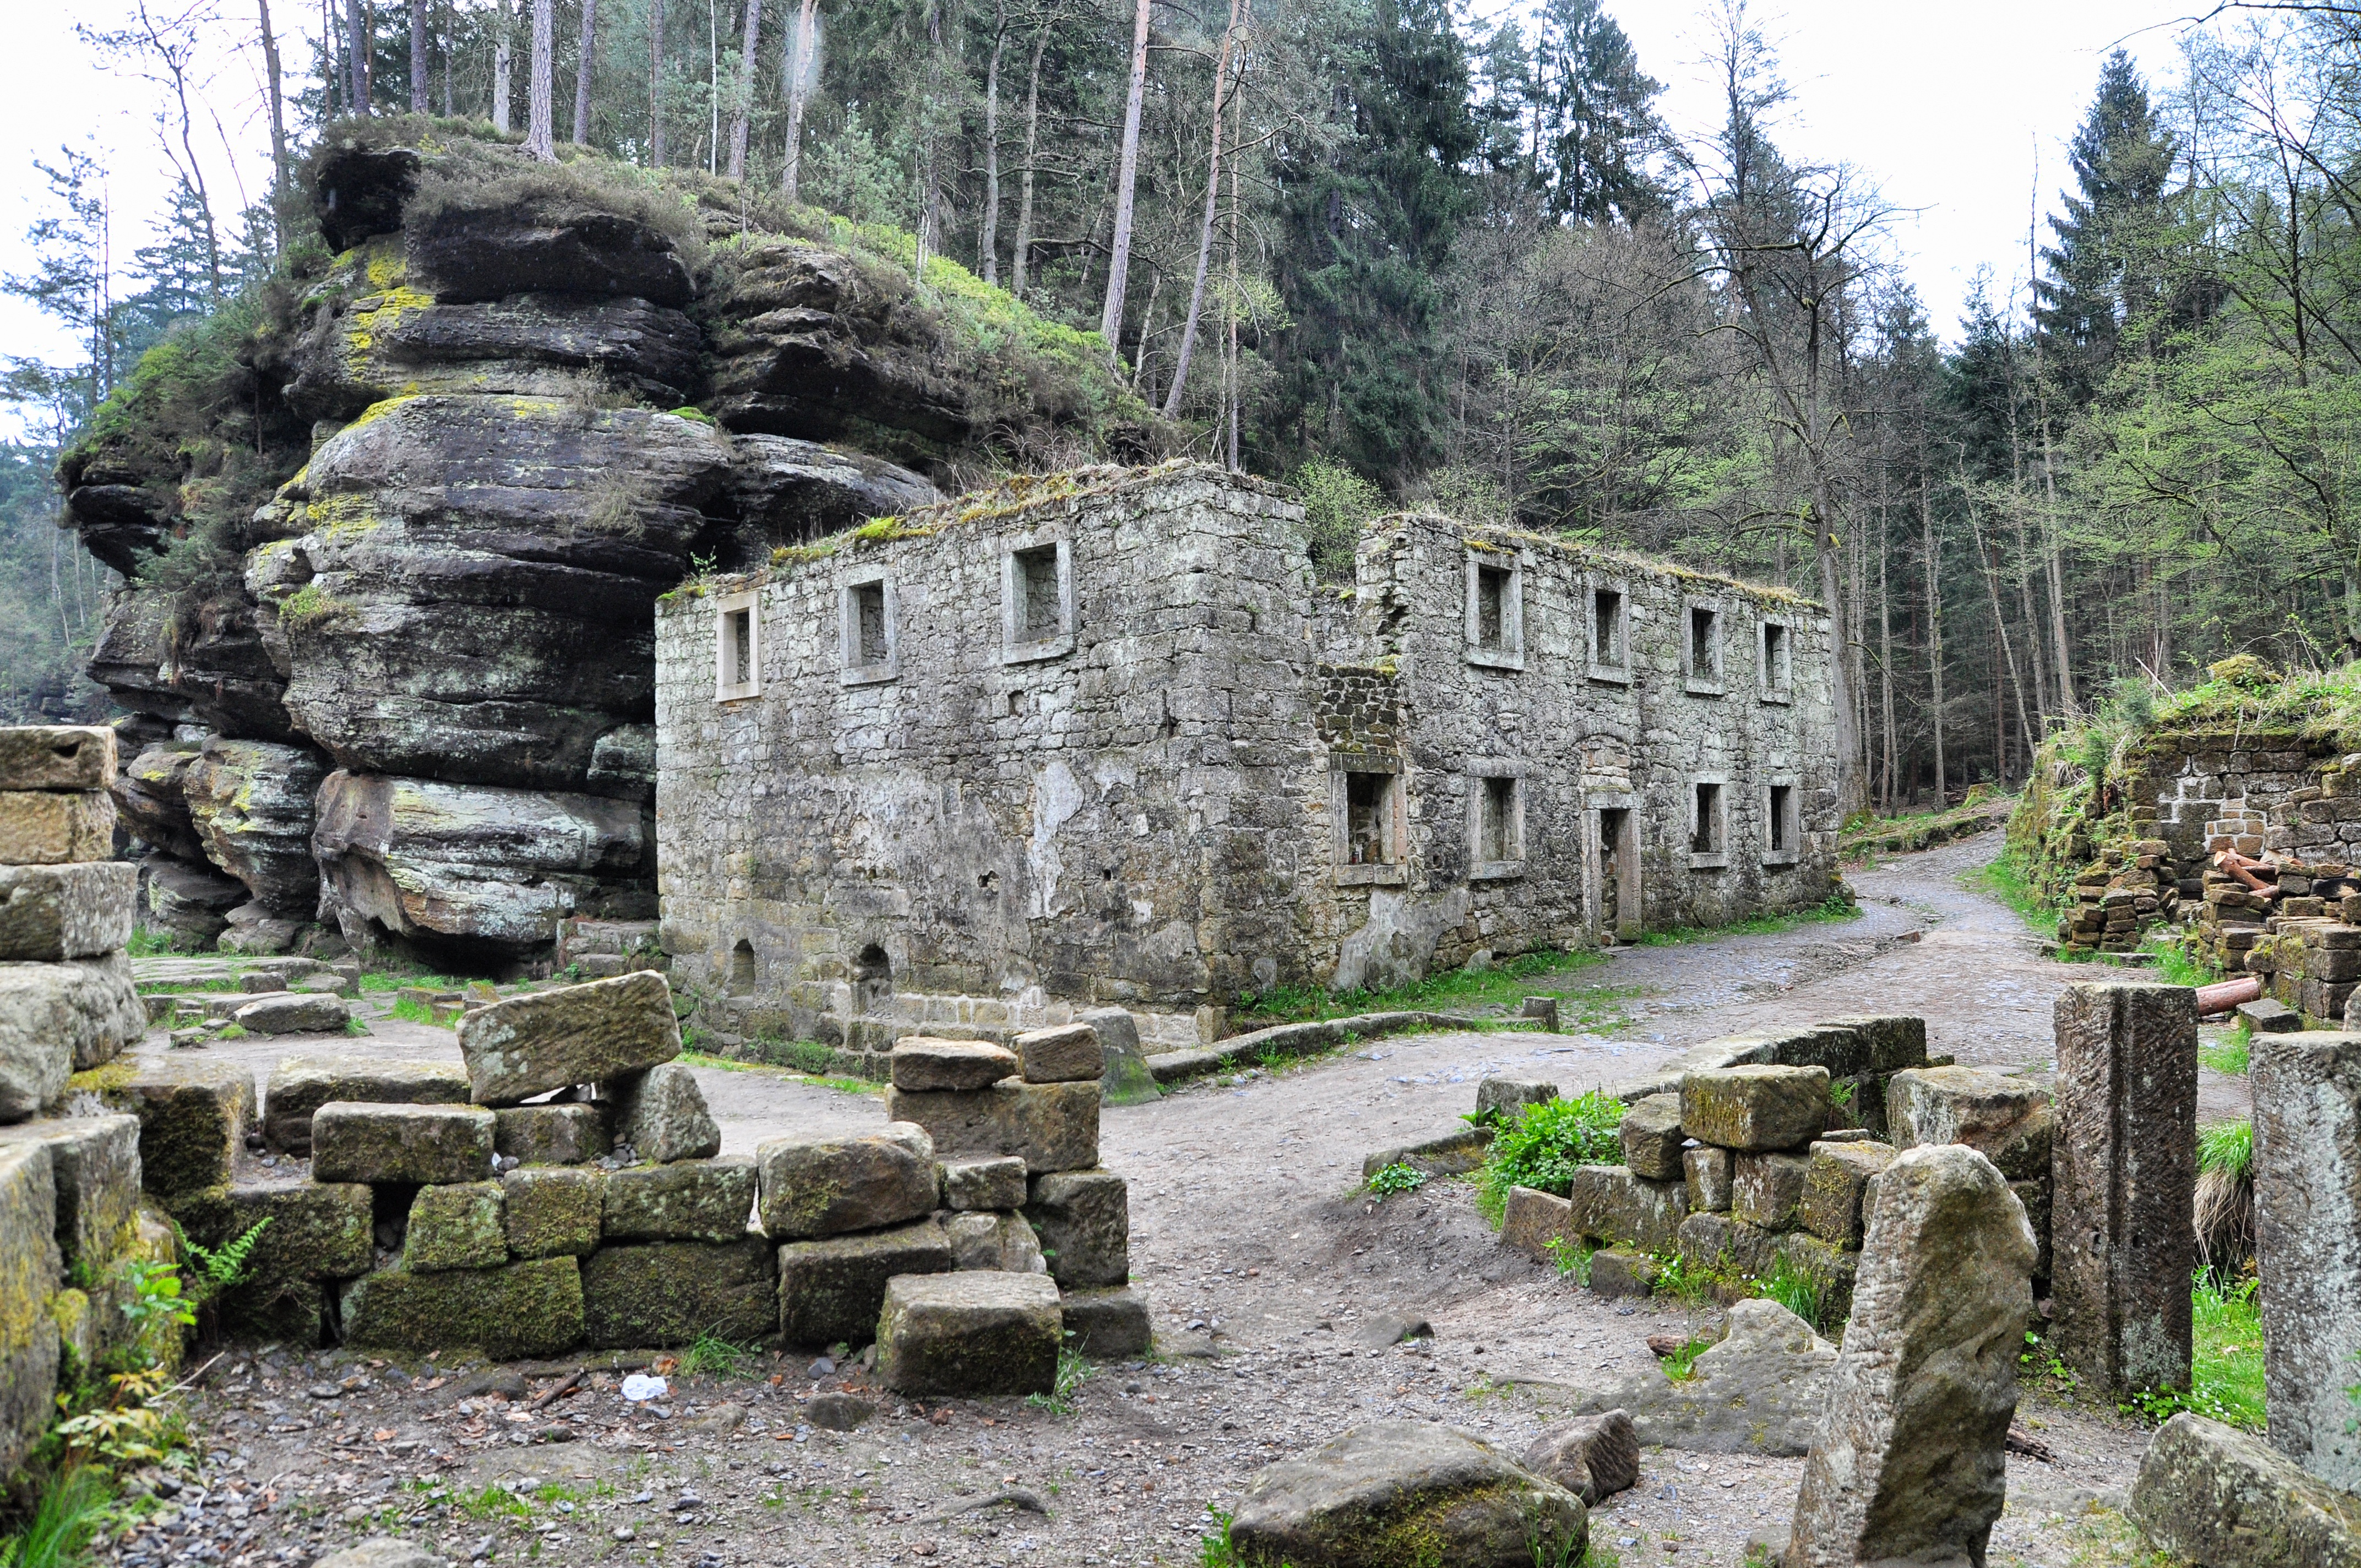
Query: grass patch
{"type": "Point", "coordinates": [2226, 1373]}
{"type": "Point", "coordinates": [2005, 880]}
{"type": "Point", "coordinates": [2175, 966]}
{"type": "Point", "coordinates": [2227, 1148]}
{"type": "Point", "coordinates": [1681, 1365]}
{"type": "Point", "coordinates": [394, 979]}
{"type": "Point", "coordinates": [70, 1511]}
{"type": "Point", "coordinates": [416, 1012]}
{"type": "Point", "coordinates": [710, 1355]}
{"type": "Point", "coordinates": [1572, 1258]}
{"type": "Point", "coordinates": [1799, 1290]}
{"type": "Point", "coordinates": [1838, 906]}
{"type": "Point", "coordinates": [2232, 1056]}
{"type": "Point", "coordinates": [491, 1503]}
{"type": "Point", "coordinates": [1503, 984]}
{"type": "Point", "coordinates": [1541, 1144]}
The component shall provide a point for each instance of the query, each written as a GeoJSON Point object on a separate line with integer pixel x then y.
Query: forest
{"type": "Point", "coordinates": [1401, 260]}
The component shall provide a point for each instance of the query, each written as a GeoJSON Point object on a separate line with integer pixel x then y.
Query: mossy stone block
{"type": "Point", "coordinates": [1756, 1108]}
{"type": "Point", "coordinates": [531, 1309]}
{"type": "Point", "coordinates": [833, 1289]}
{"type": "Point", "coordinates": [553, 1210]}
{"type": "Point", "coordinates": [421, 1144]}
{"type": "Point", "coordinates": [1085, 1221]}
{"type": "Point", "coordinates": [30, 1270]}
{"type": "Point", "coordinates": [1835, 1185]}
{"type": "Point", "coordinates": [572, 1134]}
{"type": "Point", "coordinates": [1106, 1325]}
{"type": "Point", "coordinates": [457, 1226]}
{"type": "Point", "coordinates": [688, 1200]}
{"type": "Point", "coordinates": [317, 1233]}
{"type": "Point", "coordinates": [824, 1187]}
{"type": "Point", "coordinates": [670, 1292]}
{"type": "Point", "coordinates": [194, 1118]}
{"type": "Point", "coordinates": [95, 1162]}
{"type": "Point", "coordinates": [969, 1333]}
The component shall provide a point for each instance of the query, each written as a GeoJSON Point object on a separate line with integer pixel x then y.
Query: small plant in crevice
{"type": "Point", "coordinates": [218, 1269]}
{"type": "Point", "coordinates": [1572, 1258]}
{"type": "Point", "coordinates": [1799, 1290]}
{"type": "Point", "coordinates": [1073, 1371]}
{"type": "Point", "coordinates": [1681, 1365]}
{"type": "Point", "coordinates": [1399, 1177]}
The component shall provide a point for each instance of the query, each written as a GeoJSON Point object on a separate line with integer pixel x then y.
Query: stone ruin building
{"type": "Point", "coordinates": [1104, 740]}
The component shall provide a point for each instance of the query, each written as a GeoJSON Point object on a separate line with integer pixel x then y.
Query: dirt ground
{"type": "Point", "coordinates": [1270, 1277]}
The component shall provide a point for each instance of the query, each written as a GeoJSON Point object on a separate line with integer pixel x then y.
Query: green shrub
{"type": "Point", "coordinates": [1541, 1146]}
{"type": "Point", "coordinates": [1399, 1177]}
{"type": "Point", "coordinates": [1337, 505]}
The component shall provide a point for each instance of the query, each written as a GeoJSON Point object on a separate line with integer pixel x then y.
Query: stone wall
{"type": "Point", "coordinates": [1100, 740]}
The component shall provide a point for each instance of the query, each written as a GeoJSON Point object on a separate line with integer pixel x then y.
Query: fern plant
{"type": "Point", "coordinates": [221, 1269]}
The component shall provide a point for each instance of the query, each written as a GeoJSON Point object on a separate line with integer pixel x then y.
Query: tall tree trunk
{"type": "Point", "coordinates": [2056, 578]}
{"type": "Point", "coordinates": [2033, 638]}
{"type": "Point", "coordinates": [1934, 619]}
{"type": "Point", "coordinates": [2008, 654]}
{"type": "Point", "coordinates": [450, 38]}
{"type": "Point", "coordinates": [333, 57]}
{"type": "Point", "coordinates": [799, 86]}
{"type": "Point", "coordinates": [1886, 660]}
{"type": "Point", "coordinates": [356, 39]}
{"type": "Point", "coordinates": [1021, 256]}
{"type": "Point", "coordinates": [280, 194]}
{"type": "Point", "coordinates": [743, 112]}
{"type": "Point", "coordinates": [503, 67]}
{"type": "Point", "coordinates": [988, 243]}
{"type": "Point", "coordinates": [1205, 229]}
{"type": "Point", "coordinates": [538, 138]}
{"type": "Point", "coordinates": [655, 84]}
{"type": "Point", "coordinates": [418, 103]}
{"type": "Point", "coordinates": [1127, 179]}
{"type": "Point", "coordinates": [582, 69]}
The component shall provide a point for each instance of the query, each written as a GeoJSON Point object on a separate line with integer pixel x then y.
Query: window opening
{"type": "Point", "coordinates": [1037, 616]}
{"type": "Point", "coordinates": [1775, 656]}
{"type": "Point", "coordinates": [1612, 823]}
{"type": "Point", "coordinates": [1499, 836]}
{"type": "Point", "coordinates": [1607, 613]}
{"type": "Point", "coordinates": [1368, 818]}
{"type": "Point", "coordinates": [1703, 652]}
{"type": "Point", "coordinates": [869, 625]}
{"type": "Point", "coordinates": [1491, 609]}
{"type": "Point", "coordinates": [742, 969]}
{"type": "Point", "coordinates": [873, 978]}
{"type": "Point", "coordinates": [1704, 839]}
{"type": "Point", "coordinates": [1782, 830]}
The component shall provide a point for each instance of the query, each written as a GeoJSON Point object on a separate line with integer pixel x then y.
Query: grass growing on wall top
{"type": "Point", "coordinates": [1503, 984]}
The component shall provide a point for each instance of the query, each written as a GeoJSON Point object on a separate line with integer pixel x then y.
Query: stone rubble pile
{"type": "Point", "coordinates": [2129, 887]}
{"type": "Point", "coordinates": [69, 1186]}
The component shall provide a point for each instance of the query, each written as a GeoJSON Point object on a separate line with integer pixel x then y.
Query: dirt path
{"type": "Point", "coordinates": [1264, 1266]}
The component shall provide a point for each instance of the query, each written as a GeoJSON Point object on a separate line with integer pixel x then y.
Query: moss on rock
{"type": "Point", "coordinates": [519, 1310]}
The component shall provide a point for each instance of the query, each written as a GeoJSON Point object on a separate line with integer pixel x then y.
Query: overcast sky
{"type": "Point", "coordinates": [1945, 105]}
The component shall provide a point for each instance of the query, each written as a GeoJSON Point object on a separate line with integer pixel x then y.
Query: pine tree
{"type": "Point", "coordinates": [2098, 275]}
{"type": "Point", "coordinates": [1596, 119]}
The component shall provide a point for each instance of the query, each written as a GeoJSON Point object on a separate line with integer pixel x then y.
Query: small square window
{"type": "Point", "coordinates": [1496, 827]}
{"type": "Point", "coordinates": [1037, 608]}
{"type": "Point", "coordinates": [1778, 659]}
{"type": "Point", "coordinates": [736, 648]}
{"type": "Point", "coordinates": [1782, 824]}
{"type": "Point", "coordinates": [1496, 618]}
{"type": "Point", "coordinates": [1701, 649]}
{"type": "Point", "coordinates": [1606, 627]}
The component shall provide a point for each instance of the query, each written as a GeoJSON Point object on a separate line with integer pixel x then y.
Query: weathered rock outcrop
{"type": "Point", "coordinates": [251, 802]}
{"type": "Point", "coordinates": [149, 794]}
{"type": "Point", "coordinates": [787, 491]}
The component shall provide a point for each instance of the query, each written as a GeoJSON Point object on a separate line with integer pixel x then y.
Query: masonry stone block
{"type": "Point", "coordinates": [94, 1166]}
{"type": "Point", "coordinates": [2307, 1099]}
{"type": "Point", "coordinates": [2125, 1164]}
{"type": "Point", "coordinates": [569, 1133]}
{"type": "Point", "coordinates": [553, 1210]}
{"type": "Point", "coordinates": [1506, 1098]}
{"type": "Point", "coordinates": [1085, 1221]}
{"type": "Point", "coordinates": [1110, 1324]}
{"type": "Point", "coordinates": [996, 1181]}
{"type": "Point", "coordinates": [661, 1114]}
{"type": "Point", "coordinates": [68, 757]}
{"type": "Point", "coordinates": [1894, 1042]}
{"type": "Point", "coordinates": [1002, 1243]}
{"type": "Point", "coordinates": [1126, 1080]}
{"type": "Point", "coordinates": [922, 1063]}
{"type": "Point", "coordinates": [356, 1141]}
{"type": "Point", "coordinates": [319, 1232]}
{"type": "Point", "coordinates": [823, 1187]}
{"type": "Point", "coordinates": [48, 914]}
{"type": "Point", "coordinates": [1767, 1190]}
{"type": "Point", "coordinates": [592, 1033]}
{"type": "Point", "coordinates": [1609, 1204]}
{"type": "Point", "coordinates": [194, 1118]}
{"type": "Point", "coordinates": [59, 1019]}
{"type": "Point", "coordinates": [1724, 1245]}
{"type": "Point", "coordinates": [1051, 1126]}
{"type": "Point", "coordinates": [667, 1293]}
{"type": "Point", "coordinates": [461, 1225]}
{"type": "Point", "coordinates": [690, 1199]}
{"type": "Point", "coordinates": [1708, 1172]}
{"type": "Point", "coordinates": [529, 1308]}
{"type": "Point", "coordinates": [2008, 1119]}
{"type": "Point", "coordinates": [38, 828]}
{"type": "Point", "coordinates": [1652, 1137]}
{"type": "Point", "coordinates": [1755, 1108]}
{"type": "Point", "coordinates": [1067, 1054]}
{"type": "Point", "coordinates": [831, 1290]}
{"type": "Point", "coordinates": [1836, 1183]}
{"type": "Point", "coordinates": [299, 1085]}
{"type": "Point", "coordinates": [970, 1334]}
{"type": "Point", "coordinates": [1533, 1219]}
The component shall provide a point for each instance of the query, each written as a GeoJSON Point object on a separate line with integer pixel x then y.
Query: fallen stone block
{"type": "Point", "coordinates": [48, 914]}
{"type": "Point", "coordinates": [1909, 1463]}
{"type": "Point", "coordinates": [921, 1063]}
{"type": "Point", "coordinates": [299, 1085]}
{"type": "Point", "coordinates": [57, 757]}
{"type": "Point", "coordinates": [1049, 1126]}
{"type": "Point", "coordinates": [553, 1210]}
{"type": "Point", "coordinates": [60, 1019]}
{"type": "Point", "coordinates": [1726, 1247]}
{"type": "Point", "coordinates": [1617, 1272]}
{"type": "Point", "coordinates": [1652, 1137]}
{"type": "Point", "coordinates": [2125, 1163]}
{"type": "Point", "coordinates": [824, 1187]}
{"type": "Point", "coordinates": [2264, 1016]}
{"type": "Point", "coordinates": [1506, 1098]}
{"type": "Point", "coordinates": [1610, 1204]}
{"type": "Point", "coordinates": [1839, 1048]}
{"type": "Point", "coordinates": [1895, 1042]}
{"type": "Point", "coordinates": [670, 1292]}
{"type": "Point", "coordinates": [1003, 1243]}
{"type": "Point", "coordinates": [1110, 1324]}
{"type": "Point", "coordinates": [568, 1134]}
{"type": "Point", "coordinates": [194, 1118]}
{"type": "Point", "coordinates": [1591, 1456]}
{"type": "Point", "coordinates": [1531, 1220]}
{"type": "Point", "coordinates": [973, 1334]}
{"type": "Point", "coordinates": [594, 1033]}
{"type": "Point", "coordinates": [661, 1114]}
{"type": "Point", "coordinates": [520, 1310]}
{"type": "Point", "coordinates": [1067, 1054]}
{"type": "Point", "coordinates": [456, 1226]}
{"type": "Point", "coordinates": [1126, 1080]}
{"type": "Point", "coordinates": [354, 1141]}
{"type": "Point", "coordinates": [295, 1013]}
{"type": "Point", "coordinates": [1453, 1153]}
{"type": "Point", "coordinates": [1754, 1109]}
{"type": "Point", "coordinates": [688, 1201]}
{"type": "Point", "coordinates": [1836, 1180]}
{"type": "Point", "coordinates": [996, 1182]}
{"type": "Point", "coordinates": [832, 1290]}
{"type": "Point", "coordinates": [1767, 1190]}
{"type": "Point", "coordinates": [1758, 1390]}
{"type": "Point", "coordinates": [1388, 1493]}
{"type": "Point", "coordinates": [94, 1169]}
{"type": "Point", "coordinates": [38, 828]}
{"type": "Point", "coordinates": [1708, 1172]}
{"type": "Point", "coordinates": [2007, 1120]}
{"type": "Point", "coordinates": [318, 1233]}
{"type": "Point", "coordinates": [2208, 1493]}
{"type": "Point", "coordinates": [1085, 1221]}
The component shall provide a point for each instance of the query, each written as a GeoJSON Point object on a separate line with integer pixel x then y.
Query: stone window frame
{"type": "Point", "coordinates": [1794, 815]}
{"type": "Point", "coordinates": [1593, 585]}
{"type": "Point", "coordinates": [1629, 866]}
{"type": "Point", "coordinates": [749, 602]}
{"type": "Point", "coordinates": [850, 672]}
{"type": "Point", "coordinates": [1394, 872]}
{"type": "Point", "coordinates": [1014, 647]}
{"type": "Point", "coordinates": [1768, 689]}
{"type": "Point", "coordinates": [1716, 682]}
{"type": "Point", "coordinates": [1479, 771]}
{"type": "Point", "coordinates": [1510, 653]}
{"type": "Point", "coordinates": [1709, 859]}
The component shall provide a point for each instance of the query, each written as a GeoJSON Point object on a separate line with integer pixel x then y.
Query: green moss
{"type": "Point", "coordinates": [519, 1310]}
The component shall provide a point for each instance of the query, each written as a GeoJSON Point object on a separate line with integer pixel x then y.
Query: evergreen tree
{"type": "Point", "coordinates": [2100, 273]}
{"type": "Point", "coordinates": [1595, 116]}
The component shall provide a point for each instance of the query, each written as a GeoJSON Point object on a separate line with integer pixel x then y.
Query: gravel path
{"type": "Point", "coordinates": [1270, 1275]}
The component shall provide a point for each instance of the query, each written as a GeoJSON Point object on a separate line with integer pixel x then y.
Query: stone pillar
{"type": "Point", "coordinates": [1910, 1463]}
{"type": "Point", "coordinates": [2307, 1091]}
{"type": "Point", "coordinates": [2124, 1165]}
